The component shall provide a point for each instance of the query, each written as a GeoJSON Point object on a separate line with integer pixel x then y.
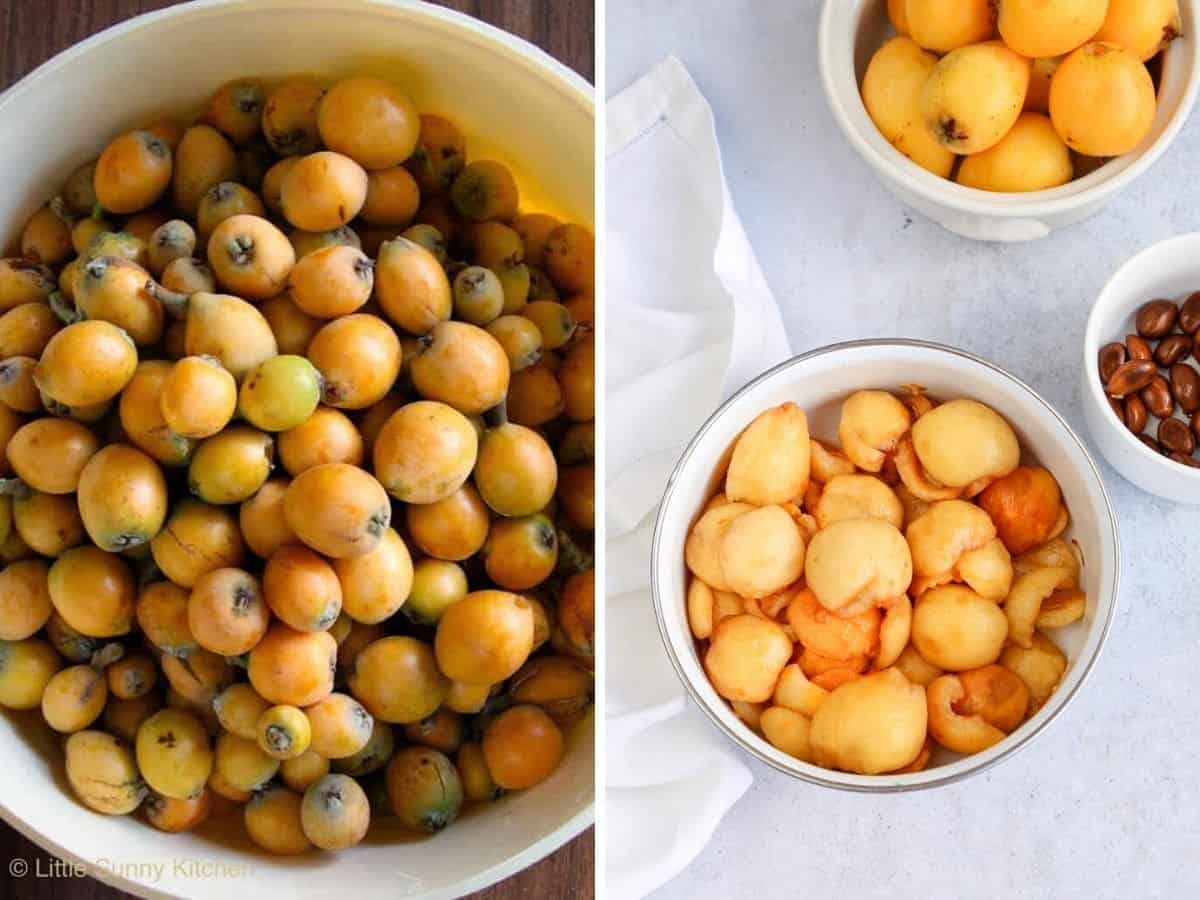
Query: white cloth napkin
{"type": "Point", "coordinates": [690, 319]}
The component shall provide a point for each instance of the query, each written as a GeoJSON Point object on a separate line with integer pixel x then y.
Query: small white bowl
{"type": "Point", "coordinates": [514, 103]}
{"type": "Point", "coordinates": [851, 31]}
{"type": "Point", "coordinates": [818, 382]}
{"type": "Point", "coordinates": [1170, 269]}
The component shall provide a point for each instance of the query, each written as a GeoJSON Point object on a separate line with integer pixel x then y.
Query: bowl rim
{"type": "Point", "coordinates": [1091, 349]}
{"type": "Point", "coordinates": [518, 52]}
{"type": "Point", "coordinates": [569, 830]}
{"type": "Point", "coordinates": [830, 778]}
{"type": "Point", "coordinates": [1046, 203]}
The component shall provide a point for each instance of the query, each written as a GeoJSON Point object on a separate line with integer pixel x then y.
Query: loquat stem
{"type": "Point", "coordinates": [173, 302]}
{"type": "Point", "coordinates": [58, 206]}
{"type": "Point", "coordinates": [107, 655]}
{"type": "Point", "coordinates": [14, 487]}
{"type": "Point", "coordinates": [67, 312]}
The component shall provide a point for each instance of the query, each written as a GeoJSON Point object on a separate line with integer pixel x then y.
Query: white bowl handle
{"type": "Point", "coordinates": [1009, 231]}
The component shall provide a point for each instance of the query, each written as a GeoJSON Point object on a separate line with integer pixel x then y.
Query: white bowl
{"type": "Point", "coordinates": [514, 103]}
{"type": "Point", "coordinates": [818, 382]}
{"type": "Point", "coordinates": [1169, 269]}
{"type": "Point", "coordinates": [850, 32]}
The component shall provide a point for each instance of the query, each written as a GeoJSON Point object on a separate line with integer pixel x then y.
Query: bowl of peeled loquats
{"type": "Point", "coordinates": [296, 447]}
{"type": "Point", "coordinates": [885, 565]}
{"type": "Point", "coordinates": [1003, 120]}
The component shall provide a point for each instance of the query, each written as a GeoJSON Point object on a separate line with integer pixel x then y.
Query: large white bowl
{"type": "Point", "coordinates": [850, 32]}
{"type": "Point", "coordinates": [818, 382]}
{"type": "Point", "coordinates": [1169, 269]}
{"type": "Point", "coordinates": [514, 103]}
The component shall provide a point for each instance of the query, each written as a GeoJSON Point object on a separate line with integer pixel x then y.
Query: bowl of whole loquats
{"type": "Point", "coordinates": [885, 566]}
{"type": "Point", "coordinates": [1003, 121]}
{"type": "Point", "coordinates": [296, 442]}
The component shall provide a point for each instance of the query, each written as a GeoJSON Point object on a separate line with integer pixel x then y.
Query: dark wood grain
{"type": "Point", "coordinates": [32, 31]}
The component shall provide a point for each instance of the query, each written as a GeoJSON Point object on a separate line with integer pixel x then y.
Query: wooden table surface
{"type": "Point", "coordinates": [31, 31]}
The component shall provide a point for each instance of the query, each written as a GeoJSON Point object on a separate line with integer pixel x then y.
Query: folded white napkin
{"type": "Point", "coordinates": [689, 320]}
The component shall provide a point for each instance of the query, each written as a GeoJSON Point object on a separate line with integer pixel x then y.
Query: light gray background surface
{"type": "Point", "coordinates": [1107, 802]}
